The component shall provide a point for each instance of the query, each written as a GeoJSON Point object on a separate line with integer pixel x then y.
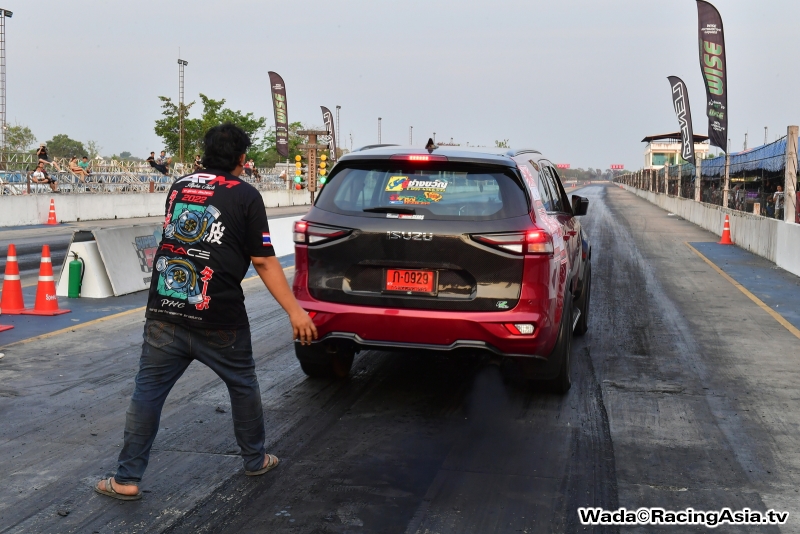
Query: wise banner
{"type": "Point", "coordinates": [680, 101]}
{"type": "Point", "coordinates": [713, 65]}
{"type": "Point", "coordinates": [327, 118]}
{"type": "Point", "coordinates": [281, 114]}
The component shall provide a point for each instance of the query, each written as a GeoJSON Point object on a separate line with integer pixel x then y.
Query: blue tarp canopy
{"type": "Point", "coordinates": [770, 158]}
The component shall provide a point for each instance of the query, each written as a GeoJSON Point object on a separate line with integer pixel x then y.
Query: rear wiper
{"type": "Point", "coordinates": [391, 209]}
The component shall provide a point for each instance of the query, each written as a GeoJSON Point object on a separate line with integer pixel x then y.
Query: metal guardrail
{"type": "Point", "coordinates": [107, 176]}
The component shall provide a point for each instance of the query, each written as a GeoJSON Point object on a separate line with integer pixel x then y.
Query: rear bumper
{"type": "Point", "coordinates": [391, 329]}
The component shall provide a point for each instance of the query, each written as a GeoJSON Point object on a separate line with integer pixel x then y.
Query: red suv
{"type": "Point", "coordinates": [444, 249]}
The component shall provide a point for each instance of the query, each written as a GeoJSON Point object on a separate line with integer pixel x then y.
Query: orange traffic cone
{"type": "Point", "coordinates": [726, 233]}
{"type": "Point", "coordinates": [51, 217]}
{"type": "Point", "coordinates": [46, 300]}
{"type": "Point", "coordinates": [11, 302]}
{"type": "Point", "coordinates": [4, 327]}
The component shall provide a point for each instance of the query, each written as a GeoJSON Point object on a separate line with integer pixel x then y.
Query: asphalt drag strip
{"type": "Point", "coordinates": [685, 394]}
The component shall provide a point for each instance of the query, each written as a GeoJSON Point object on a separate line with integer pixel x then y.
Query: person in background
{"type": "Point", "coordinates": [40, 176]}
{"type": "Point", "coordinates": [152, 161]}
{"type": "Point", "coordinates": [84, 164]}
{"type": "Point", "coordinates": [777, 198]}
{"type": "Point", "coordinates": [248, 168]}
{"type": "Point", "coordinates": [198, 163]}
{"type": "Point", "coordinates": [44, 158]}
{"type": "Point", "coordinates": [164, 161]}
{"type": "Point", "coordinates": [77, 169]}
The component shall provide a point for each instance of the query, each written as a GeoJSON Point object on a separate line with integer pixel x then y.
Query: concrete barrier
{"type": "Point", "coordinates": [777, 241]}
{"type": "Point", "coordinates": [26, 210]}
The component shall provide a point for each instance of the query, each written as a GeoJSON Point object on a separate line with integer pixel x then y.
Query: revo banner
{"type": "Point", "coordinates": [617, 167]}
{"type": "Point", "coordinates": [713, 65]}
{"type": "Point", "coordinates": [680, 101]}
{"type": "Point", "coordinates": [281, 114]}
{"type": "Point", "coordinates": [562, 165]}
{"type": "Point", "coordinates": [327, 119]}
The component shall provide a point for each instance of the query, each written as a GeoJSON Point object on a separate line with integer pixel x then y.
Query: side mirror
{"type": "Point", "coordinates": [580, 205]}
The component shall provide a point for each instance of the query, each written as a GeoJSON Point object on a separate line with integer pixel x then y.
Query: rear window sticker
{"type": "Point", "coordinates": [427, 185]}
{"type": "Point", "coordinates": [398, 184]}
{"type": "Point", "coordinates": [434, 197]}
{"type": "Point", "coordinates": [404, 216]}
{"type": "Point", "coordinates": [406, 199]}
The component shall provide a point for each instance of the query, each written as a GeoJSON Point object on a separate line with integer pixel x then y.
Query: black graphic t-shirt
{"type": "Point", "coordinates": [214, 223]}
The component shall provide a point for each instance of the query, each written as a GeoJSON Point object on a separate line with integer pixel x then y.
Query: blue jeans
{"type": "Point", "coordinates": [167, 351]}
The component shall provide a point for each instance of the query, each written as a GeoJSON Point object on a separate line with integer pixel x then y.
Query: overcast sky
{"type": "Point", "coordinates": [581, 80]}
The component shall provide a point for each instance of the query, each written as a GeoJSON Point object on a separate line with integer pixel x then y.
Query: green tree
{"type": "Point", "coordinates": [214, 113]}
{"type": "Point", "coordinates": [19, 138]}
{"type": "Point", "coordinates": [265, 150]}
{"type": "Point", "coordinates": [93, 148]}
{"type": "Point", "coordinates": [124, 154]}
{"type": "Point", "coordinates": [501, 144]}
{"type": "Point", "coordinates": [61, 146]}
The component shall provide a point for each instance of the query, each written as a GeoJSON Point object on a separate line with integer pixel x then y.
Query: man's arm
{"type": "Point", "coordinates": [271, 273]}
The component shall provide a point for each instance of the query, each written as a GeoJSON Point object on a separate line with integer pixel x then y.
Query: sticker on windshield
{"type": "Point", "coordinates": [397, 183]}
{"type": "Point", "coordinates": [407, 199]}
{"type": "Point", "coordinates": [404, 216]}
{"type": "Point", "coordinates": [403, 183]}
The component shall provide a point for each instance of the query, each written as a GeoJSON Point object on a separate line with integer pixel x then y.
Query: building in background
{"type": "Point", "coordinates": [665, 149]}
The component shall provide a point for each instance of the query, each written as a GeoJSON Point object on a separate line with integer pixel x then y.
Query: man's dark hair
{"type": "Point", "coordinates": [223, 145]}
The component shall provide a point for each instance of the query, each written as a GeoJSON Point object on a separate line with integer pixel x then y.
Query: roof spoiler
{"type": "Point", "coordinates": [367, 147]}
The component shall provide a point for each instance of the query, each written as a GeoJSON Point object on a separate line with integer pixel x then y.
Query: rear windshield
{"type": "Point", "coordinates": [439, 191]}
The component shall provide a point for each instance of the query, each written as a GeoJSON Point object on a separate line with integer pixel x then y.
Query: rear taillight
{"type": "Point", "coordinates": [421, 158]}
{"type": "Point", "coordinates": [300, 228]}
{"type": "Point", "coordinates": [313, 234]}
{"type": "Point", "coordinates": [539, 242]}
{"type": "Point", "coordinates": [535, 241]}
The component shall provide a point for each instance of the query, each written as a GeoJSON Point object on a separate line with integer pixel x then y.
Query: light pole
{"type": "Point", "coordinates": [3, 14]}
{"type": "Point", "coordinates": [338, 129]}
{"type": "Point", "coordinates": [434, 138]}
{"type": "Point", "coordinates": [379, 130]}
{"type": "Point", "coordinates": [766, 130]}
{"type": "Point", "coordinates": [410, 135]}
{"type": "Point", "coordinates": [181, 64]}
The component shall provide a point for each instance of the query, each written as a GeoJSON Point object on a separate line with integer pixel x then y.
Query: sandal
{"type": "Point", "coordinates": [109, 492]}
{"type": "Point", "coordinates": [272, 463]}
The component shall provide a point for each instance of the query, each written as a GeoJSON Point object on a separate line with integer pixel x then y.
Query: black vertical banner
{"type": "Point", "coordinates": [680, 101]}
{"type": "Point", "coordinates": [715, 72]}
{"type": "Point", "coordinates": [327, 119]}
{"type": "Point", "coordinates": [281, 114]}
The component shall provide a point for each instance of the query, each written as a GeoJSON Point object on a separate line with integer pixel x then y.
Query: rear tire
{"type": "Point", "coordinates": [583, 302]}
{"type": "Point", "coordinates": [563, 381]}
{"type": "Point", "coordinates": [321, 360]}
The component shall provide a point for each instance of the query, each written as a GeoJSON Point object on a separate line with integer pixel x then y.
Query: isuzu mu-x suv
{"type": "Point", "coordinates": [444, 249]}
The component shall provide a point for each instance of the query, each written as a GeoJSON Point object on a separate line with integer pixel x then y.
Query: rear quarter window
{"type": "Point", "coordinates": [437, 191]}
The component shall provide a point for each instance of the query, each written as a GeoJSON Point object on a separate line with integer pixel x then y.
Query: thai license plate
{"type": "Point", "coordinates": [410, 281]}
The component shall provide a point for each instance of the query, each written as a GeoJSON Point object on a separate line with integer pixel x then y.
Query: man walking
{"type": "Point", "coordinates": [777, 198]}
{"type": "Point", "coordinates": [196, 310]}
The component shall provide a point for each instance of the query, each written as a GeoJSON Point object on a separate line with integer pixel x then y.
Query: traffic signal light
{"type": "Point", "coordinates": [298, 172]}
{"type": "Point", "coordinates": [323, 170]}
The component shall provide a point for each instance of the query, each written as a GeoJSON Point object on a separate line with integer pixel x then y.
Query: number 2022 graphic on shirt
{"type": "Point", "coordinates": [191, 223]}
{"type": "Point", "coordinates": [178, 278]}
